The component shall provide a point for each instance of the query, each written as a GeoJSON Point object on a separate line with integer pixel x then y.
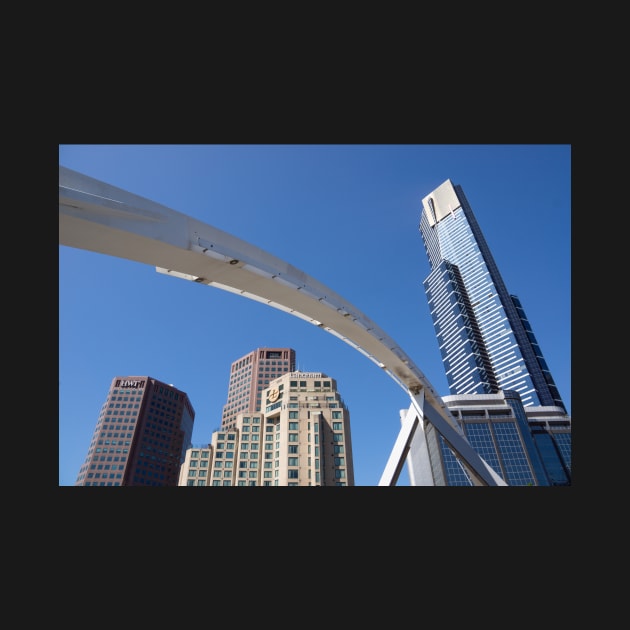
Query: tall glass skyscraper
{"type": "Point", "coordinates": [485, 339]}
{"type": "Point", "coordinates": [488, 348]}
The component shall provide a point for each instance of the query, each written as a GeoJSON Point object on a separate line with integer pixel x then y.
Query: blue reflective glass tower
{"type": "Point", "coordinates": [486, 342]}
{"type": "Point", "coordinates": [485, 339]}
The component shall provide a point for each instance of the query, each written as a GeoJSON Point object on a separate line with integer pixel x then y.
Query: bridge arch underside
{"type": "Point", "coordinates": [98, 217]}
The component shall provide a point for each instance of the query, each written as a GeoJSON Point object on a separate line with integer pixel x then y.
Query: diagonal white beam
{"type": "Point", "coordinates": [482, 473]}
{"type": "Point", "coordinates": [401, 448]}
{"type": "Point", "coordinates": [411, 445]}
{"type": "Point", "coordinates": [418, 458]}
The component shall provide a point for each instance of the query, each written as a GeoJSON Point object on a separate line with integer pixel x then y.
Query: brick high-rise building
{"type": "Point", "coordinates": [249, 375]}
{"type": "Point", "coordinates": [141, 435]}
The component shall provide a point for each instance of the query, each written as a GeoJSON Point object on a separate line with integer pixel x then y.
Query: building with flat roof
{"type": "Point", "coordinates": [249, 375]}
{"type": "Point", "coordinates": [527, 446]}
{"type": "Point", "coordinates": [141, 435]}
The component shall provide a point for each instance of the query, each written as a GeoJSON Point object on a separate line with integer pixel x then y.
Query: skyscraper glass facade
{"type": "Point", "coordinates": [484, 337]}
{"type": "Point", "coordinates": [488, 348]}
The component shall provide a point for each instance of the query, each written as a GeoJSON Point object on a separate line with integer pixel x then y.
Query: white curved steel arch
{"type": "Point", "coordinates": [98, 217]}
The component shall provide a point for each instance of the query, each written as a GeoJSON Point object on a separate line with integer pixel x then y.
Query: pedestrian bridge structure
{"type": "Point", "coordinates": [98, 217]}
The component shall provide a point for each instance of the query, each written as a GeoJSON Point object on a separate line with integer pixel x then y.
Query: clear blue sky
{"type": "Point", "coordinates": [345, 214]}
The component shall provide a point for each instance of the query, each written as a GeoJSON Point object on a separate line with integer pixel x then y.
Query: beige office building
{"type": "Point", "coordinates": [300, 438]}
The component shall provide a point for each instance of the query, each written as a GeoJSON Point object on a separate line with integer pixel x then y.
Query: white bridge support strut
{"type": "Point", "coordinates": [98, 217]}
{"type": "Point", "coordinates": [411, 445]}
